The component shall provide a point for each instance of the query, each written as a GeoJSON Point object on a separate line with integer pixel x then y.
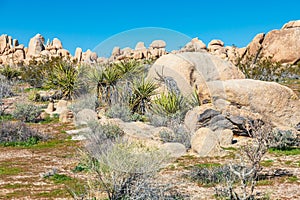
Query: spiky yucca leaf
{"type": "Point", "coordinates": [143, 90]}
{"type": "Point", "coordinates": [64, 77]}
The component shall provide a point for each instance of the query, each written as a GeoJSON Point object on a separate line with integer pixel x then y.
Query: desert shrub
{"type": "Point", "coordinates": [10, 73]}
{"type": "Point", "coordinates": [87, 101]}
{"type": "Point", "coordinates": [34, 96]}
{"type": "Point", "coordinates": [102, 132]}
{"type": "Point", "coordinates": [66, 77]}
{"type": "Point", "coordinates": [157, 120]}
{"type": "Point", "coordinates": [248, 163]}
{"type": "Point", "coordinates": [263, 68]}
{"type": "Point", "coordinates": [180, 134]}
{"type": "Point", "coordinates": [36, 71]}
{"type": "Point", "coordinates": [120, 168]}
{"type": "Point", "coordinates": [284, 139]}
{"type": "Point", "coordinates": [237, 180]}
{"type": "Point", "coordinates": [105, 78]}
{"type": "Point", "coordinates": [212, 175]}
{"type": "Point", "coordinates": [26, 112]}
{"type": "Point", "coordinates": [5, 91]}
{"type": "Point", "coordinates": [125, 171]}
{"type": "Point", "coordinates": [17, 133]}
{"type": "Point", "coordinates": [120, 111]}
{"type": "Point", "coordinates": [128, 69]}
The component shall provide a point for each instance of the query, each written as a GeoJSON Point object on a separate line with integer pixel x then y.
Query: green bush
{"type": "Point", "coordinates": [66, 78]}
{"type": "Point", "coordinates": [170, 105]}
{"type": "Point", "coordinates": [18, 134]}
{"type": "Point", "coordinates": [36, 72]}
{"type": "Point", "coordinates": [284, 140]}
{"type": "Point", "coordinates": [143, 90]}
{"type": "Point", "coordinates": [262, 68]}
{"type": "Point", "coordinates": [10, 73]}
{"type": "Point", "coordinates": [26, 112]}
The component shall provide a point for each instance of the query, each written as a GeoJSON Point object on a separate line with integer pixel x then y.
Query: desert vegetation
{"type": "Point", "coordinates": [117, 113]}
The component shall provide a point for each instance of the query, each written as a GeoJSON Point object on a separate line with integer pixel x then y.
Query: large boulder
{"type": "Point", "coordinates": [3, 43]}
{"type": "Point", "coordinates": [116, 51]}
{"type": "Point", "coordinates": [57, 43]}
{"type": "Point", "coordinates": [195, 45]}
{"type": "Point", "coordinates": [19, 55]}
{"type": "Point", "coordinates": [272, 100]}
{"type": "Point", "coordinates": [219, 117]}
{"type": "Point", "coordinates": [206, 143]}
{"type": "Point", "coordinates": [190, 70]}
{"type": "Point", "coordinates": [78, 54]}
{"type": "Point", "coordinates": [157, 44]}
{"type": "Point", "coordinates": [140, 46]}
{"type": "Point", "coordinates": [36, 45]}
{"type": "Point", "coordinates": [282, 45]}
{"type": "Point", "coordinates": [254, 47]}
{"type": "Point", "coordinates": [292, 24]}
{"type": "Point", "coordinates": [192, 116]}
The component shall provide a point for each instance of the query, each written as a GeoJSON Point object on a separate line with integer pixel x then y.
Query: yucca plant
{"type": "Point", "coordinates": [170, 104]}
{"type": "Point", "coordinates": [64, 77]}
{"type": "Point", "coordinates": [9, 72]}
{"type": "Point", "coordinates": [106, 78]}
{"type": "Point", "coordinates": [143, 90]}
{"type": "Point", "coordinates": [128, 68]}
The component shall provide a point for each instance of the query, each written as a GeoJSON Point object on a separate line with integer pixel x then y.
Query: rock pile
{"type": "Point", "coordinates": [229, 102]}
{"type": "Point", "coordinates": [280, 45]}
{"type": "Point", "coordinates": [13, 53]}
{"type": "Point", "coordinates": [155, 50]}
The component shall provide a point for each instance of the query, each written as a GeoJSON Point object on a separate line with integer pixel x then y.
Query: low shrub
{"type": "Point", "coordinates": [18, 134]}
{"type": "Point", "coordinates": [284, 140]}
{"type": "Point", "coordinates": [87, 101]}
{"type": "Point", "coordinates": [5, 91]}
{"type": "Point", "coordinates": [180, 134]}
{"type": "Point", "coordinates": [10, 72]}
{"type": "Point", "coordinates": [122, 112]}
{"type": "Point", "coordinates": [211, 174]}
{"type": "Point", "coordinates": [26, 112]}
{"type": "Point", "coordinates": [100, 132]}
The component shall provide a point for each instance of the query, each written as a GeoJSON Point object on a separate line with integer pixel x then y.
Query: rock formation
{"type": "Point", "coordinates": [155, 50]}
{"type": "Point", "coordinates": [191, 70]}
{"type": "Point", "coordinates": [11, 52]}
{"type": "Point", "coordinates": [281, 46]}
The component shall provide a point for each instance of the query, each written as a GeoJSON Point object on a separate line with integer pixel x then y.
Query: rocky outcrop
{"type": "Point", "coordinates": [277, 103]}
{"type": "Point", "coordinates": [155, 50]}
{"type": "Point", "coordinates": [11, 52]}
{"type": "Point", "coordinates": [195, 45]}
{"type": "Point", "coordinates": [36, 45]}
{"type": "Point", "coordinates": [281, 46]}
{"type": "Point", "coordinates": [191, 70]}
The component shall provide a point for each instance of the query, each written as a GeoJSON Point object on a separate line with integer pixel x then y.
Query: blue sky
{"type": "Point", "coordinates": [87, 23]}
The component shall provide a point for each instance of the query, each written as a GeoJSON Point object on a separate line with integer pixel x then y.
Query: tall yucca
{"type": "Point", "coordinates": [65, 77]}
{"type": "Point", "coordinates": [142, 91]}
